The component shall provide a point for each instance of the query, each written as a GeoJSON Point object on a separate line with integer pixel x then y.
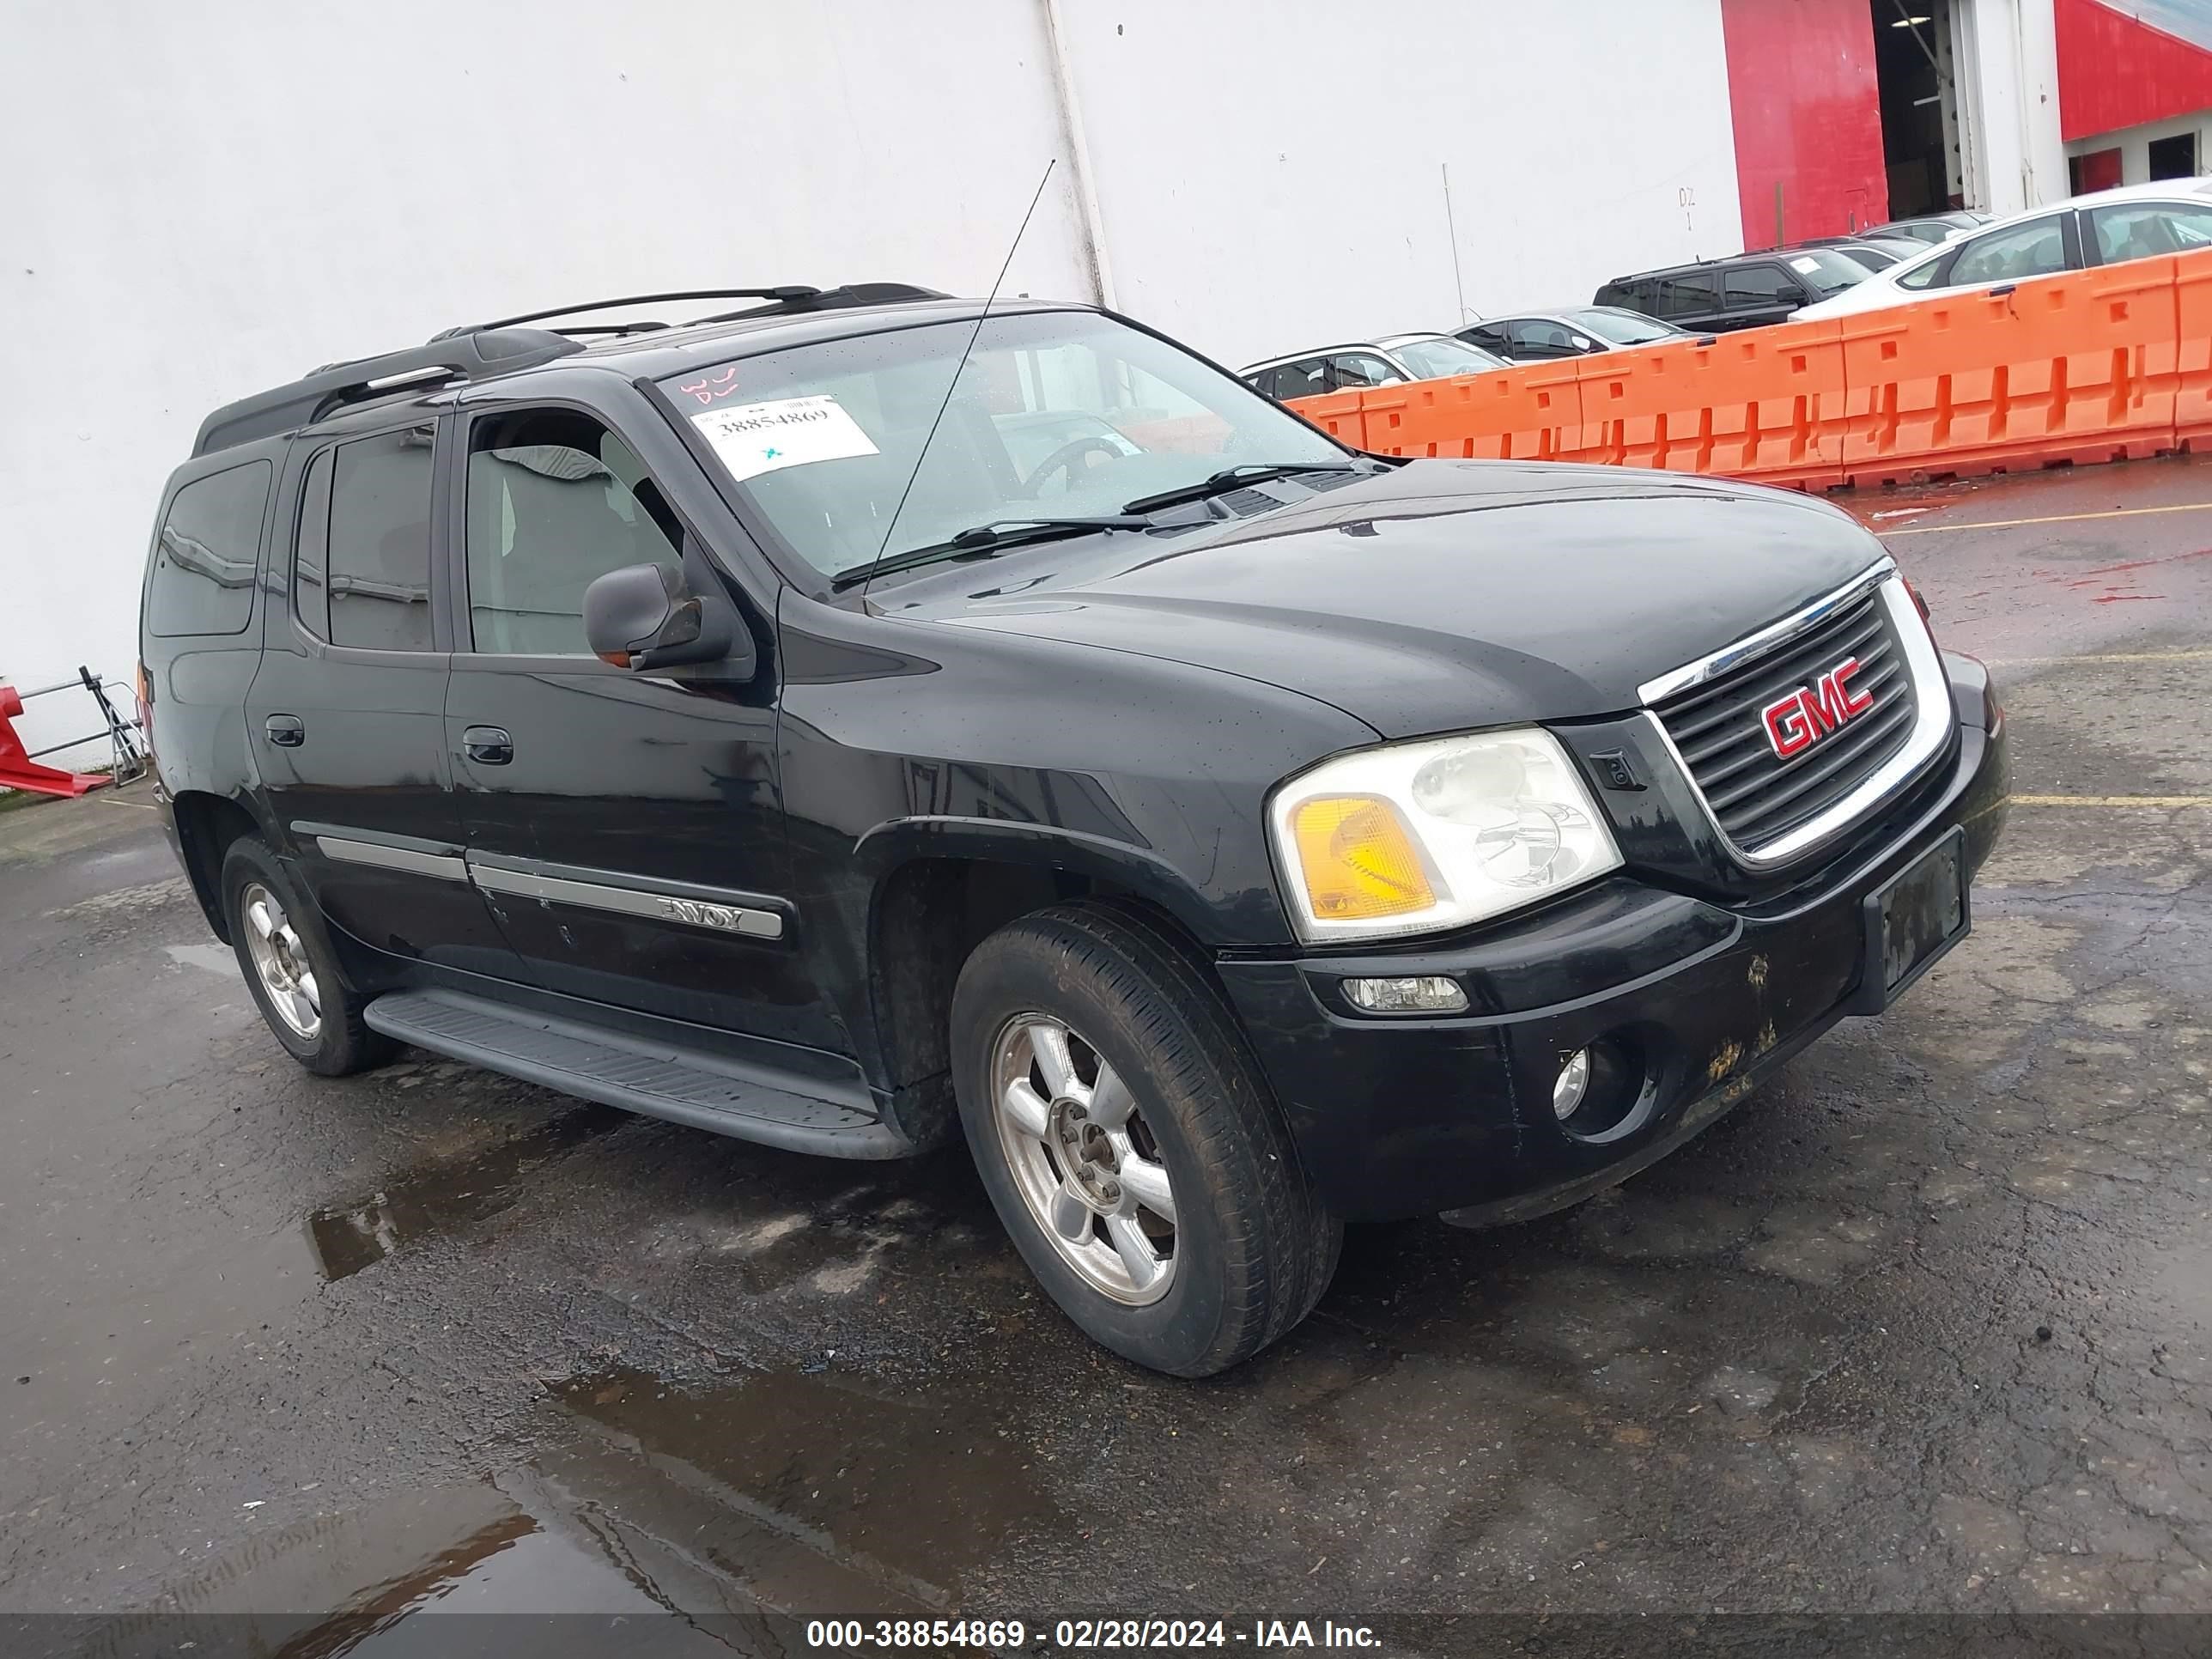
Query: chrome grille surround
{"type": "Point", "coordinates": [1875, 600]}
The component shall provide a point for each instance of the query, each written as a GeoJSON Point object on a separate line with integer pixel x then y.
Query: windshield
{"type": "Point", "coordinates": [1622, 327]}
{"type": "Point", "coordinates": [1826, 271]}
{"type": "Point", "coordinates": [1433, 360]}
{"type": "Point", "coordinates": [1056, 413]}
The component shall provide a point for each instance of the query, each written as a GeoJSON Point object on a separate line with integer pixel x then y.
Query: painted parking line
{"type": "Point", "coordinates": [2161, 802]}
{"type": "Point", "coordinates": [2055, 518]}
{"type": "Point", "coordinates": [2106, 656]}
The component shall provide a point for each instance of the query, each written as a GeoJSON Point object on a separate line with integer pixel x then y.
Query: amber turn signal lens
{"type": "Point", "coordinates": [1356, 858]}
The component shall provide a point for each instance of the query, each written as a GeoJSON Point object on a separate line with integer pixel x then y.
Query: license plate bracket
{"type": "Point", "coordinates": [1912, 921]}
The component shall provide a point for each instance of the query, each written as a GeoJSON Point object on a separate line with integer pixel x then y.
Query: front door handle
{"type": "Point", "coordinates": [488, 746]}
{"type": "Point", "coordinates": [285, 731]}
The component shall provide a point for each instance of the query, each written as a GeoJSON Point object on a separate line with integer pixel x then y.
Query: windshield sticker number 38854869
{"type": "Point", "coordinates": [749, 439]}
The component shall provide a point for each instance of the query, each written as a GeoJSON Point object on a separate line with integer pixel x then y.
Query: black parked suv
{"type": "Point", "coordinates": [1228, 833]}
{"type": "Point", "coordinates": [1750, 291]}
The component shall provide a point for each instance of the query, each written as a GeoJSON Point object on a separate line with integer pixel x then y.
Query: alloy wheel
{"type": "Point", "coordinates": [1084, 1158]}
{"type": "Point", "coordinates": [280, 959]}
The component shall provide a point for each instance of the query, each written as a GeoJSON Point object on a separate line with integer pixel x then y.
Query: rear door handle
{"type": "Point", "coordinates": [488, 746]}
{"type": "Point", "coordinates": [285, 731]}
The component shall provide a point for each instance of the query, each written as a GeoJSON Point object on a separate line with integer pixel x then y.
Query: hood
{"type": "Point", "coordinates": [1439, 596]}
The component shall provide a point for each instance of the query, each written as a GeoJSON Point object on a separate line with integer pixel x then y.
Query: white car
{"type": "Point", "coordinates": [1383, 361]}
{"type": "Point", "coordinates": [2135, 221]}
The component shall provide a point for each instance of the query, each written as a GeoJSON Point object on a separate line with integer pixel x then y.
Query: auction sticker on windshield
{"type": "Point", "coordinates": [756, 438]}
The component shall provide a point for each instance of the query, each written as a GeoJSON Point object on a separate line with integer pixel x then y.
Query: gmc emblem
{"type": "Point", "coordinates": [1796, 722]}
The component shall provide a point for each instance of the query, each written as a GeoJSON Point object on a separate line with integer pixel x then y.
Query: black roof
{"type": "Point", "coordinates": [1751, 255]}
{"type": "Point", "coordinates": [642, 347]}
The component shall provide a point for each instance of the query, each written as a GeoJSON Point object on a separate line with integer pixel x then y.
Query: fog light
{"type": "Point", "coordinates": [1422, 994]}
{"type": "Point", "coordinates": [1571, 1084]}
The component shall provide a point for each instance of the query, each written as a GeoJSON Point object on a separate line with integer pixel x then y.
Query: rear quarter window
{"type": "Point", "coordinates": [206, 554]}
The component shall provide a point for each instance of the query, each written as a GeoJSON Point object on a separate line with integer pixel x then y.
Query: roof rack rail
{"type": "Point", "coordinates": [791, 298]}
{"type": "Point", "coordinates": [477, 350]}
{"type": "Point", "coordinates": [461, 355]}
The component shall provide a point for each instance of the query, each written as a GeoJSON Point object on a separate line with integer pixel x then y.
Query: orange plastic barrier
{"type": "Point", "coordinates": [2093, 365]}
{"type": "Point", "coordinates": [1338, 415]}
{"type": "Point", "coordinates": [2192, 399]}
{"type": "Point", "coordinates": [2076, 368]}
{"type": "Point", "coordinates": [1767, 404]}
{"type": "Point", "coordinates": [1529, 413]}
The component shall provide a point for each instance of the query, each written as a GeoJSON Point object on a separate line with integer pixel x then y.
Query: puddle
{"type": "Point", "coordinates": [216, 958]}
{"type": "Point", "coordinates": [438, 1198]}
{"type": "Point", "coordinates": [385, 1583]}
{"type": "Point", "coordinates": [913, 1490]}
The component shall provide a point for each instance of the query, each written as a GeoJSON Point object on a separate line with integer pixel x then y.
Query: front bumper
{"type": "Point", "coordinates": [1399, 1116]}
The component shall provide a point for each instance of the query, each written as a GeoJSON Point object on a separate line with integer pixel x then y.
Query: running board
{"type": "Point", "coordinates": [706, 1092]}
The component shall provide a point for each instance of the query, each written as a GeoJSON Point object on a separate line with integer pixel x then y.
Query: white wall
{"type": "Point", "coordinates": [1269, 174]}
{"type": "Point", "coordinates": [2005, 53]}
{"type": "Point", "coordinates": [204, 200]}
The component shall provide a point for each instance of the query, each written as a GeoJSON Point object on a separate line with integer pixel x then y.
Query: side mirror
{"type": "Point", "coordinates": [643, 617]}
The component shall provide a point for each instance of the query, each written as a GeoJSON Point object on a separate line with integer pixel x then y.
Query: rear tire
{"type": "Point", "coordinates": [1129, 1143]}
{"type": "Point", "coordinates": [290, 968]}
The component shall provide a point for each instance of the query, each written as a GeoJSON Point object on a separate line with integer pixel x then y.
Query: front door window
{"type": "Point", "coordinates": [554, 501]}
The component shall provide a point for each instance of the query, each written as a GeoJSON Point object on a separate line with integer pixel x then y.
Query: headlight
{"type": "Point", "coordinates": [1413, 837]}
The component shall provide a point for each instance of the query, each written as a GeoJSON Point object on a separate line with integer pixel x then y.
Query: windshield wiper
{"type": "Point", "coordinates": [984, 538]}
{"type": "Point", "coordinates": [1221, 482]}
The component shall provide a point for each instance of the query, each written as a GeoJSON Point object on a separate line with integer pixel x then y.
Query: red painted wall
{"type": "Point", "coordinates": [1808, 116]}
{"type": "Point", "coordinates": [2115, 72]}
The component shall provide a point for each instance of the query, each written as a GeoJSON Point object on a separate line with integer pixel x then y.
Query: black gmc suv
{"type": "Point", "coordinates": [1230, 834]}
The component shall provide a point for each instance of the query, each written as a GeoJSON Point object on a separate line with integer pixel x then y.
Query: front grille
{"type": "Point", "coordinates": [1719, 727]}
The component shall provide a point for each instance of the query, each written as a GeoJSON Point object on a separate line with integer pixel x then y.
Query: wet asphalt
{"type": "Point", "coordinates": [1926, 1324]}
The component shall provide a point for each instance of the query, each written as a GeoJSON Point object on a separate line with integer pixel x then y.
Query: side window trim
{"type": "Point", "coordinates": [262, 558]}
{"type": "Point", "coordinates": [283, 560]}
{"type": "Point", "coordinates": [2070, 251]}
{"type": "Point", "coordinates": [2088, 224]}
{"type": "Point", "coordinates": [1759, 301]}
{"type": "Point", "coordinates": [454, 563]}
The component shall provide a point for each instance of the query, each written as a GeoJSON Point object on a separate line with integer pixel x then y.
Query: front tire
{"type": "Point", "coordinates": [290, 968]}
{"type": "Point", "coordinates": [1129, 1143]}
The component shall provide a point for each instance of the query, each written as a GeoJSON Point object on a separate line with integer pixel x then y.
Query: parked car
{"type": "Point", "coordinates": [1750, 290]}
{"type": "Point", "coordinates": [2104, 228]}
{"type": "Point", "coordinates": [1876, 253]}
{"type": "Point", "coordinates": [1228, 833]}
{"type": "Point", "coordinates": [1574, 331]}
{"type": "Point", "coordinates": [1383, 362]}
{"type": "Point", "coordinates": [1935, 228]}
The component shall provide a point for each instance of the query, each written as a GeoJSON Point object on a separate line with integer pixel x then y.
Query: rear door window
{"type": "Point", "coordinates": [206, 553]}
{"type": "Point", "coordinates": [1299, 379]}
{"type": "Point", "coordinates": [1697, 294]}
{"type": "Point", "coordinates": [1350, 371]}
{"type": "Point", "coordinates": [1540, 337]}
{"type": "Point", "coordinates": [361, 576]}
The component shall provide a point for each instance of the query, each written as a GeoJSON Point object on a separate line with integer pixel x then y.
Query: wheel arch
{"type": "Point", "coordinates": [206, 825]}
{"type": "Point", "coordinates": [938, 887]}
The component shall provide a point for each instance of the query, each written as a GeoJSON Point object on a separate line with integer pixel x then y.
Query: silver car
{"type": "Point", "coordinates": [1384, 360]}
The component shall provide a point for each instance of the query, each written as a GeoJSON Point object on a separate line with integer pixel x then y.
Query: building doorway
{"type": "Point", "coordinates": [1919, 118]}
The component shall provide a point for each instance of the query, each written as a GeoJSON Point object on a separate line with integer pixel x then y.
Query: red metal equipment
{"type": "Point", "coordinates": [19, 771]}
